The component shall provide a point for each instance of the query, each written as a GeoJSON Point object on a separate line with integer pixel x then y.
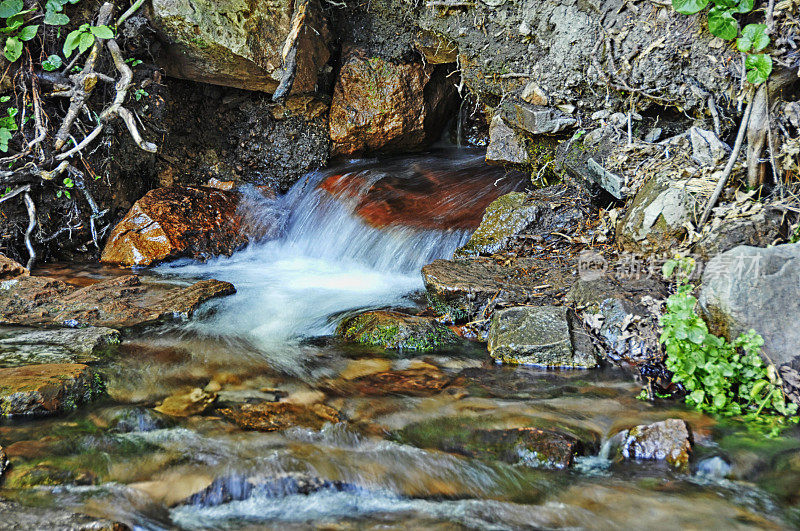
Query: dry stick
{"type": "Point", "coordinates": [31, 206]}
{"type": "Point", "coordinates": [737, 147]}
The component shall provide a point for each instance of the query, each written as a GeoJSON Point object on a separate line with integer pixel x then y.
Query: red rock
{"type": "Point", "coordinates": [46, 389]}
{"type": "Point", "coordinates": [10, 269]}
{"type": "Point", "coordinates": [382, 106]}
{"type": "Point", "coordinates": [173, 222]}
{"type": "Point", "coordinates": [117, 303]}
{"type": "Point", "coordinates": [273, 416]}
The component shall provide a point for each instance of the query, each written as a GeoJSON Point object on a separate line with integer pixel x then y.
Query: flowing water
{"type": "Point", "coordinates": [339, 241]}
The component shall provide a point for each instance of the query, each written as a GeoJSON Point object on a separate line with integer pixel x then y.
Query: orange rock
{"type": "Point", "coordinates": [220, 185]}
{"type": "Point", "coordinates": [272, 416]}
{"type": "Point", "coordinates": [46, 389]}
{"type": "Point", "coordinates": [167, 223]}
{"type": "Point", "coordinates": [382, 106]}
{"type": "Point", "coordinates": [9, 269]}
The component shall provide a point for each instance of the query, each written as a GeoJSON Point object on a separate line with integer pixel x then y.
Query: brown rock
{"type": "Point", "coordinates": [117, 303]}
{"type": "Point", "coordinates": [46, 389]}
{"type": "Point", "coordinates": [414, 382]}
{"type": "Point", "coordinates": [9, 269]}
{"type": "Point", "coordinates": [273, 416]}
{"type": "Point", "coordinates": [382, 106]}
{"type": "Point", "coordinates": [167, 223]}
{"type": "Point", "coordinates": [194, 402]}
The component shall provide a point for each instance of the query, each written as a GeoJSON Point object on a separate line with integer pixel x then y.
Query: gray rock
{"type": "Point", "coordinates": [759, 230]}
{"type": "Point", "coordinates": [668, 440]}
{"type": "Point", "coordinates": [534, 119]}
{"type": "Point", "coordinates": [610, 182]}
{"type": "Point", "coordinates": [714, 468]}
{"type": "Point", "coordinates": [506, 146]}
{"type": "Point", "coordinates": [753, 288]}
{"type": "Point", "coordinates": [506, 217]}
{"type": "Point", "coordinates": [707, 149]}
{"type": "Point", "coordinates": [537, 335]}
{"type": "Point", "coordinates": [61, 345]}
{"type": "Point", "coordinates": [583, 158]}
{"type": "Point", "coordinates": [655, 218]}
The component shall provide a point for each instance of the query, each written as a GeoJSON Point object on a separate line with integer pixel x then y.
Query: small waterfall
{"type": "Point", "coordinates": [347, 238]}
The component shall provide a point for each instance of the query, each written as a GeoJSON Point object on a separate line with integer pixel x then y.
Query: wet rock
{"type": "Point", "coordinates": [707, 149]}
{"type": "Point", "coordinates": [714, 468]}
{"type": "Point", "coordinates": [384, 106]}
{"type": "Point", "coordinates": [655, 219]}
{"type": "Point", "coordinates": [17, 516]}
{"type": "Point", "coordinates": [239, 487]}
{"type": "Point", "coordinates": [506, 145]}
{"type": "Point", "coordinates": [168, 223]}
{"type": "Point", "coordinates": [120, 302]}
{"type": "Point", "coordinates": [412, 382]}
{"type": "Point", "coordinates": [530, 446]}
{"type": "Point", "coordinates": [543, 335]}
{"type": "Point", "coordinates": [395, 330]}
{"type": "Point", "coordinates": [274, 416]}
{"type": "Point", "coordinates": [668, 440]}
{"type": "Point", "coordinates": [47, 389]}
{"type": "Point", "coordinates": [753, 288]}
{"type": "Point", "coordinates": [135, 419]}
{"type": "Point", "coordinates": [194, 402]}
{"type": "Point", "coordinates": [9, 269]}
{"type": "Point", "coordinates": [241, 44]}
{"type": "Point", "coordinates": [534, 119]}
{"type": "Point", "coordinates": [62, 345]}
{"type": "Point", "coordinates": [759, 230]}
{"type": "Point", "coordinates": [465, 289]}
{"type": "Point", "coordinates": [233, 397]}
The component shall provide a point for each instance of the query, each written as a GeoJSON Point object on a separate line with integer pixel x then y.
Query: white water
{"type": "Point", "coordinates": [325, 260]}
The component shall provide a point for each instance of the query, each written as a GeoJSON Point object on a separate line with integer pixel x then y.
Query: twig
{"type": "Point", "coordinates": [31, 206]}
{"type": "Point", "coordinates": [737, 147]}
{"type": "Point", "coordinates": [131, 10]}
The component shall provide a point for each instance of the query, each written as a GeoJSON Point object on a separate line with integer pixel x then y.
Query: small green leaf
{"type": "Point", "coordinates": [28, 32]}
{"type": "Point", "coordinates": [102, 32]}
{"type": "Point", "coordinates": [86, 42]}
{"type": "Point", "coordinates": [753, 36]}
{"type": "Point", "coordinates": [71, 42]}
{"type": "Point", "coordinates": [51, 18]}
{"type": "Point", "coordinates": [722, 24]}
{"type": "Point", "coordinates": [759, 67]}
{"type": "Point", "coordinates": [9, 8]}
{"type": "Point", "coordinates": [13, 49]}
{"type": "Point", "coordinates": [689, 7]}
{"type": "Point", "coordinates": [53, 62]}
{"type": "Point", "coordinates": [698, 396]}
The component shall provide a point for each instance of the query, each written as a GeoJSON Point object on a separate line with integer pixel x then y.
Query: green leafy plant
{"type": "Point", "coordinates": [140, 93]}
{"type": "Point", "coordinates": [68, 183]}
{"type": "Point", "coordinates": [7, 125]}
{"type": "Point", "coordinates": [54, 12]}
{"type": "Point", "coordinates": [53, 62]}
{"type": "Point", "coordinates": [723, 378]}
{"type": "Point", "coordinates": [83, 38]}
{"type": "Point", "coordinates": [723, 24]}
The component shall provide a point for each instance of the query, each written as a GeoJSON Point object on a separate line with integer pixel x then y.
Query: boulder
{"type": "Point", "coordinates": [655, 219]}
{"type": "Point", "coordinates": [61, 345]}
{"type": "Point", "coordinates": [47, 389]}
{"type": "Point", "coordinates": [469, 289]}
{"type": "Point", "coordinates": [9, 269]}
{"type": "Point", "coordinates": [668, 440]}
{"type": "Point", "coordinates": [539, 335]}
{"type": "Point", "coordinates": [395, 330]}
{"type": "Point", "coordinates": [759, 230]}
{"type": "Point", "coordinates": [519, 215]}
{"type": "Point", "coordinates": [242, 44]}
{"type": "Point", "coordinates": [755, 288]}
{"type": "Point", "coordinates": [173, 222]}
{"type": "Point", "coordinates": [534, 119]}
{"type": "Point", "coordinates": [384, 106]}
{"type": "Point", "coordinates": [120, 302]}
{"type": "Point", "coordinates": [273, 416]}
{"type": "Point", "coordinates": [506, 145]}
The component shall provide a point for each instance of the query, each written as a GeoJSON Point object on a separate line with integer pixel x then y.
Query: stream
{"type": "Point", "coordinates": [347, 239]}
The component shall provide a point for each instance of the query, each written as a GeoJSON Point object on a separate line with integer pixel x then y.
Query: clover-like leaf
{"type": "Point", "coordinates": [759, 67]}
{"type": "Point", "coordinates": [689, 7]}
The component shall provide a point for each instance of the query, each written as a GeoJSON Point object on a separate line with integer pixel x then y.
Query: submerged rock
{"type": "Point", "coordinates": [241, 44]}
{"type": "Point", "coordinates": [47, 389]}
{"type": "Point", "coordinates": [120, 302]}
{"type": "Point", "coordinates": [753, 288]}
{"type": "Point", "coordinates": [668, 440]}
{"type": "Point", "coordinates": [385, 106]}
{"type": "Point", "coordinates": [395, 330]}
{"type": "Point", "coordinates": [542, 335]}
{"type": "Point", "coordinates": [274, 416]}
{"type": "Point", "coordinates": [62, 345]}
{"type": "Point", "coordinates": [168, 223]}
{"type": "Point", "coordinates": [412, 382]}
{"type": "Point", "coordinates": [475, 437]}
{"type": "Point", "coordinates": [194, 402]}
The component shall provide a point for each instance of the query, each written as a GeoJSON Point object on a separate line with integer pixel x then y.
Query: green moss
{"type": "Point", "coordinates": [504, 217]}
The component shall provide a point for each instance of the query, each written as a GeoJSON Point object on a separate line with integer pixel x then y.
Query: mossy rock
{"type": "Point", "coordinates": [505, 217]}
{"type": "Point", "coordinates": [47, 389]}
{"type": "Point", "coordinates": [395, 330]}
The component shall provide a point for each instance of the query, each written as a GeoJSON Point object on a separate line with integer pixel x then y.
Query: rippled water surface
{"type": "Point", "coordinates": [343, 240]}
